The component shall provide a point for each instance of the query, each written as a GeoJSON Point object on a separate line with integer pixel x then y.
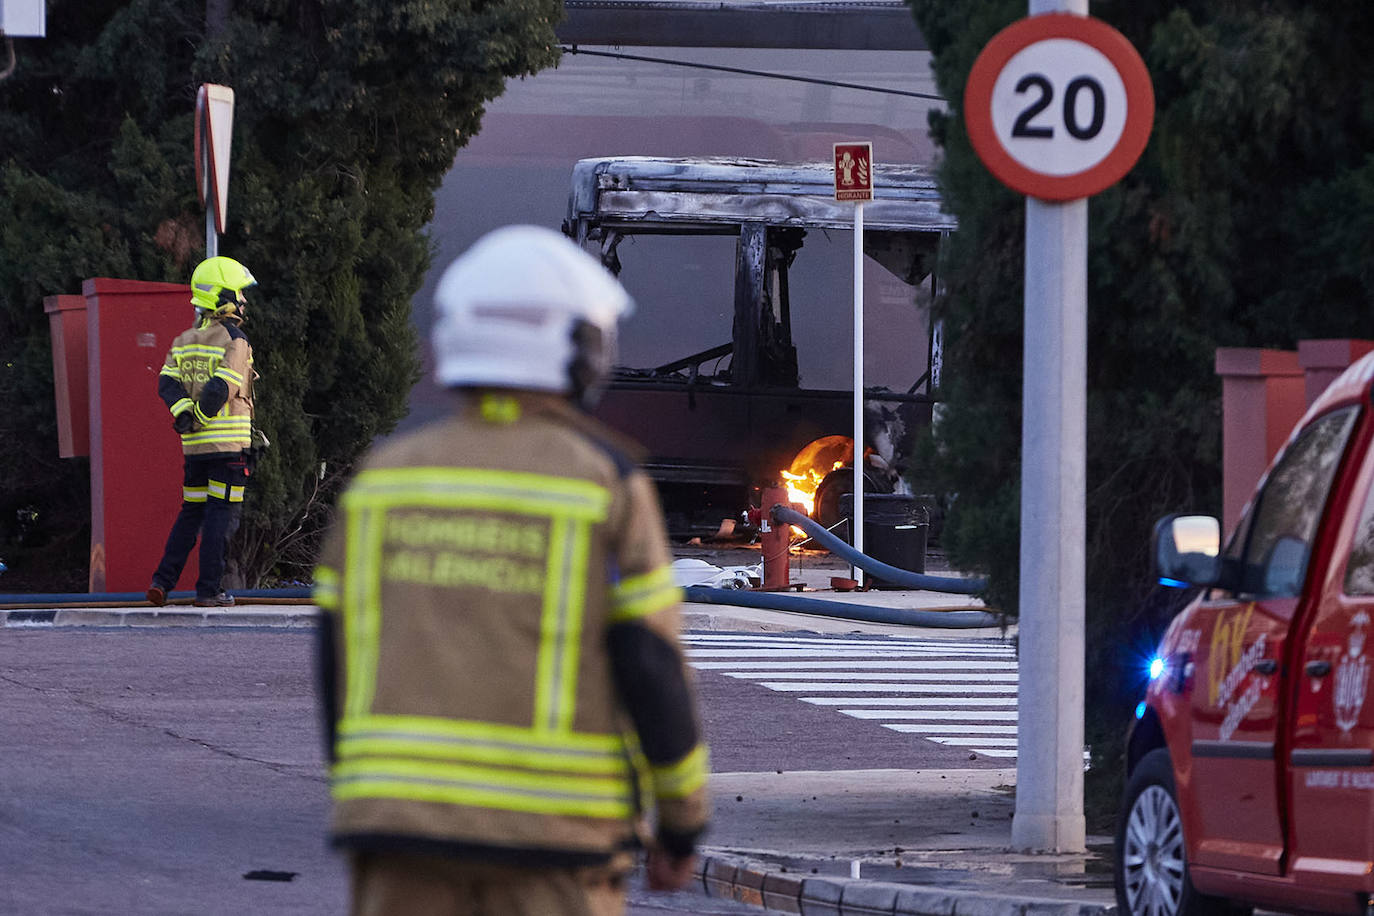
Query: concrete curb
{"type": "Point", "coordinates": [752, 883]}
{"type": "Point", "coordinates": [295, 616]}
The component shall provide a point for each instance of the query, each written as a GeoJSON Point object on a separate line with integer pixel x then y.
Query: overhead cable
{"type": "Point", "coordinates": [695, 65]}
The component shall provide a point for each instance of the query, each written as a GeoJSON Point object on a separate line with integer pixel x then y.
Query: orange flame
{"type": "Point", "coordinates": [801, 488]}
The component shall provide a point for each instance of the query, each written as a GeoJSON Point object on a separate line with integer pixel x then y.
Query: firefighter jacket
{"type": "Point", "coordinates": [501, 645]}
{"type": "Point", "coordinates": [209, 373]}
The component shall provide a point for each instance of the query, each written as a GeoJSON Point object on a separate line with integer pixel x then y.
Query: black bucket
{"type": "Point", "coordinates": [895, 530]}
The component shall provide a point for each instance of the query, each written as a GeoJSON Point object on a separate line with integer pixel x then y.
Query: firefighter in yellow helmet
{"type": "Point", "coordinates": [506, 692]}
{"type": "Point", "coordinates": [207, 384]}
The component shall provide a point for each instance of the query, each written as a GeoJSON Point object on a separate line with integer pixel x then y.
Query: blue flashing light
{"type": "Point", "coordinates": [1140, 709]}
{"type": "Point", "coordinates": [1156, 667]}
{"type": "Point", "coordinates": [1172, 583]}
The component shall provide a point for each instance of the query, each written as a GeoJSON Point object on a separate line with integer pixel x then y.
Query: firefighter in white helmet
{"type": "Point", "coordinates": [505, 689]}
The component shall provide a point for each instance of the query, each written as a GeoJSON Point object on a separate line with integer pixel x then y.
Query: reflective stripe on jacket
{"type": "Point", "coordinates": [473, 574]}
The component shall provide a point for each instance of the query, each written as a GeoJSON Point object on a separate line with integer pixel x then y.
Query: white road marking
{"type": "Point", "coordinates": [912, 701]}
{"type": "Point", "coordinates": [939, 689]}
{"type": "Point", "coordinates": [920, 728]}
{"type": "Point", "coordinates": [941, 676]}
{"type": "Point", "coordinates": [958, 694]}
{"type": "Point", "coordinates": [966, 715]}
{"type": "Point", "coordinates": [861, 664]}
{"type": "Point", "coordinates": [819, 652]}
{"type": "Point", "coordinates": [981, 741]}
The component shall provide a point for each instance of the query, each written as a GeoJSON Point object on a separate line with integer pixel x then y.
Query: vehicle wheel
{"type": "Point", "coordinates": [1151, 858]}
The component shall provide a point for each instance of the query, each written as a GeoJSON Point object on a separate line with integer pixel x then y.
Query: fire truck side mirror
{"type": "Point", "coordinates": [1187, 550]}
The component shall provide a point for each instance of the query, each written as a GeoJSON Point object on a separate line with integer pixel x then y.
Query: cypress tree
{"type": "Point", "coordinates": [348, 115]}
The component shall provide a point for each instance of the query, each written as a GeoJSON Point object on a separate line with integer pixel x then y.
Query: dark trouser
{"type": "Point", "coordinates": [400, 884]}
{"type": "Point", "coordinates": [211, 497]}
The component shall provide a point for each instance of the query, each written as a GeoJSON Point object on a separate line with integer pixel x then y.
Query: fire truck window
{"type": "Point", "coordinates": [1359, 571]}
{"type": "Point", "coordinates": [1287, 510]}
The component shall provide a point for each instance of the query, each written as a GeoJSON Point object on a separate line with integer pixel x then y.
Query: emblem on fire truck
{"type": "Point", "coordinates": [1352, 676]}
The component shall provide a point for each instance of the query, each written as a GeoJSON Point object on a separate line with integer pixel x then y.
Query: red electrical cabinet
{"type": "Point", "coordinates": [114, 415]}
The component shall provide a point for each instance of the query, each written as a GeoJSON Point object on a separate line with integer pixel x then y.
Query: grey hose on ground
{"type": "Point", "coordinates": [783, 601]}
{"type": "Point", "coordinates": [783, 515]}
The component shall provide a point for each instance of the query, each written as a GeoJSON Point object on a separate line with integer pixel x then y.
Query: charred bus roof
{"type": "Point", "coordinates": [642, 194]}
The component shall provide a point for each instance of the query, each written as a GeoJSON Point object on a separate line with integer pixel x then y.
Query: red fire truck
{"type": "Point", "coordinates": [1251, 763]}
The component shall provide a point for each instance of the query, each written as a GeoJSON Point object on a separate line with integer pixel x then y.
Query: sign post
{"type": "Point", "coordinates": [854, 181]}
{"type": "Point", "coordinates": [1059, 107]}
{"type": "Point", "coordinates": [213, 141]}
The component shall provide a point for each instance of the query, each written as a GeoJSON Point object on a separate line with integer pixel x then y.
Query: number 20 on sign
{"type": "Point", "coordinates": [1059, 106]}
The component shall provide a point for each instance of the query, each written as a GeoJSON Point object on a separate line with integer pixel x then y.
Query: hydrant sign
{"type": "Point", "coordinates": [854, 171]}
{"type": "Point", "coordinates": [1059, 106]}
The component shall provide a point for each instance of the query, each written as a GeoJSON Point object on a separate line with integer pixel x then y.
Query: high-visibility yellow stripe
{"type": "Point", "coordinates": [590, 743]}
{"type": "Point", "coordinates": [678, 780]}
{"type": "Point", "coordinates": [216, 489]}
{"type": "Point", "coordinates": [640, 596]}
{"type": "Point", "coordinates": [229, 375]}
{"type": "Point", "coordinates": [171, 371]}
{"type": "Point", "coordinates": [326, 588]}
{"type": "Point", "coordinates": [236, 494]}
{"type": "Point", "coordinates": [362, 609]}
{"type": "Point", "coordinates": [193, 494]}
{"type": "Point", "coordinates": [181, 406]}
{"type": "Point", "coordinates": [557, 760]}
{"type": "Point", "coordinates": [575, 598]}
{"type": "Point", "coordinates": [203, 350]}
{"type": "Point", "coordinates": [547, 683]}
{"type": "Point", "coordinates": [579, 784]}
{"type": "Point", "coordinates": [409, 789]}
{"type": "Point", "coordinates": [230, 439]}
{"type": "Point", "coordinates": [507, 491]}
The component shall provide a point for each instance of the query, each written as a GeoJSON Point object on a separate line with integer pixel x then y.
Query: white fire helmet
{"type": "Point", "coordinates": [524, 307]}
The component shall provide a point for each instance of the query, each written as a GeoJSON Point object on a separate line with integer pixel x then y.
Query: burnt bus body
{"type": "Point", "coordinates": [720, 422]}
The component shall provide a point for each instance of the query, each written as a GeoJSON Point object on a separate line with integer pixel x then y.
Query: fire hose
{"type": "Point", "coordinates": [954, 586]}
{"type": "Point", "coordinates": [776, 601]}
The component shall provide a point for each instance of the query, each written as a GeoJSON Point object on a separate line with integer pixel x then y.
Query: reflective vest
{"type": "Point", "coordinates": [473, 570]}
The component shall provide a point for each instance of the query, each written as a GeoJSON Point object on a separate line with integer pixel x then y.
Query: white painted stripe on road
{"type": "Point", "coordinates": [818, 687]}
{"type": "Point", "coordinates": [818, 652]}
{"type": "Point", "coordinates": [879, 675]}
{"type": "Point", "coordinates": [983, 741]}
{"type": "Point", "coordinates": [993, 752]}
{"type": "Point", "coordinates": [939, 715]}
{"type": "Point", "coordinates": [951, 645]}
{"type": "Point", "coordinates": [861, 665]}
{"type": "Point", "coordinates": [913, 701]}
{"type": "Point", "coordinates": [920, 728]}
{"type": "Point", "coordinates": [852, 644]}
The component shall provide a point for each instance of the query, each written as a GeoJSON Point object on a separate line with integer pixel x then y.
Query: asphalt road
{"type": "Point", "coordinates": [171, 771]}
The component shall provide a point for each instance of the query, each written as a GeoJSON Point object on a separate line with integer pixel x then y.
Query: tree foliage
{"type": "Point", "coordinates": [1246, 223]}
{"type": "Point", "coordinates": [348, 116]}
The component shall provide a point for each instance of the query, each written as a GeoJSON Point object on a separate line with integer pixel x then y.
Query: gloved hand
{"type": "Point", "coordinates": [183, 422]}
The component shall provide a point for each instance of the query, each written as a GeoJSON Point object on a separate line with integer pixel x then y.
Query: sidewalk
{"type": "Point", "coordinates": [922, 842]}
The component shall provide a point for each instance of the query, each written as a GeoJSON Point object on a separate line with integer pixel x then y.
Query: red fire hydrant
{"type": "Point", "coordinates": [775, 540]}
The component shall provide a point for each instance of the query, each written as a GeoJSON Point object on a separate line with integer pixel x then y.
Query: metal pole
{"type": "Point", "coordinates": [1049, 761]}
{"type": "Point", "coordinates": [858, 513]}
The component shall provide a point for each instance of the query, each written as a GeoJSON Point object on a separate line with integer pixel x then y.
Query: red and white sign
{"type": "Point", "coordinates": [1059, 106]}
{"type": "Point", "coordinates": [213, 140]}
{"type": "Point", "coordinates": [853, 171]}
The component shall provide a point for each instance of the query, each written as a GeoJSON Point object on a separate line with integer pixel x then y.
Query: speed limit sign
{"type": "Point", "coordinates": [1059, 106]}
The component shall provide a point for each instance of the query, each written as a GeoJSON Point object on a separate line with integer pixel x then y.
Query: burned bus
{"type": "Point", "coordinates": [737, 367]}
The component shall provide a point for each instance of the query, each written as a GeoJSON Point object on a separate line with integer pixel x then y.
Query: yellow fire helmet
{"type": "Point", "coordinates": [217, 287]}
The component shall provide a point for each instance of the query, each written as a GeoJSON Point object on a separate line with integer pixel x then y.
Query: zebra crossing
{"type": "Point", "coordinates": [960, 693]}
